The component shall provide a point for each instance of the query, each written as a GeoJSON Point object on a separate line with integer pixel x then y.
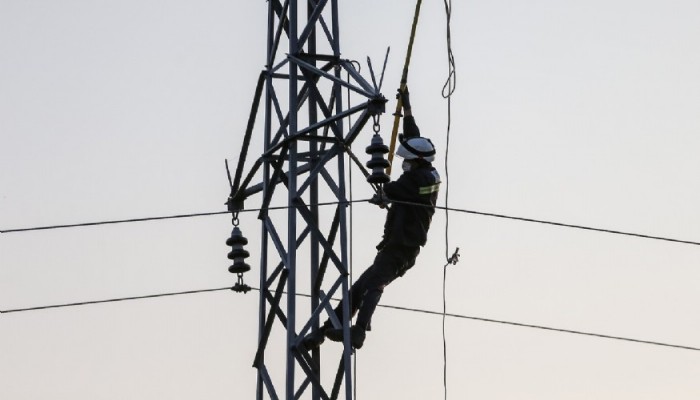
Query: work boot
{"type": "Point", "coordinates": [314, 339]}
{"type": "Point", "coordinates": [357, 335]}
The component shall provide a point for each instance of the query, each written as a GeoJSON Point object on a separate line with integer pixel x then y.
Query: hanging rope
{"type": "Point", "coordinates": [451, 82]}
{"type": "Point", "coordinates": [404, 80]}
{"type": "Point", "coordinates": [450, 261]}
{"type": "Point", "coordinates": [447, 91]}
{"type": "Point", "coordinates": [444, 336]}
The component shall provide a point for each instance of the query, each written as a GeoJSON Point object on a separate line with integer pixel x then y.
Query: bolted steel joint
{"type": "Point", "coordinates": [377, 105]}
{"type": "Point", "coordinates": [235, 202]}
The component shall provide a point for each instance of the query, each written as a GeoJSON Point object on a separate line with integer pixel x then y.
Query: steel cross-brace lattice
{"type": "Point", "coordinates": [305, 143]}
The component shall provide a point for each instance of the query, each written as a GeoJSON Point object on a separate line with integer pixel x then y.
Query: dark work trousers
{"type": "Point", "coordinates": [391, 262]}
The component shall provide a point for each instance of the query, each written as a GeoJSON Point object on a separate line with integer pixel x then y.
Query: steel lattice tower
{"type": "Point", "coordinates": [307, 135]}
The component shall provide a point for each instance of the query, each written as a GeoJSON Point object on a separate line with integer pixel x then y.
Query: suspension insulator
{"type": "Point", "coordinates": [377, 163]}
{"type": "Point", "coordinates": [238, 254]}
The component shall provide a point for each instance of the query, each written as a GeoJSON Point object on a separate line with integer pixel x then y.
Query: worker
{"type": "Point", "coordinates": [405, 230]}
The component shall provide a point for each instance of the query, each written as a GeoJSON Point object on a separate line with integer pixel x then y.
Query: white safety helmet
{"type": "Point", "coordinates": [416, 148]}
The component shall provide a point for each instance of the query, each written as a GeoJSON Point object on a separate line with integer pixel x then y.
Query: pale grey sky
{"type": "Point", "coordinates": [577, 112]}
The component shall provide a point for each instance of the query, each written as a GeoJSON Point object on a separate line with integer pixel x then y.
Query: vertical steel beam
{"type": "Point", "coordinates": [300, 144]}
{"type": "Point", "coordinates": [262, 304]}
{"type": "Point", "coordinates": [343, 221]}
{"type": "Point", "coordinates": [313, 200]}
{"type": "Point", "coordinates": [292, 197]}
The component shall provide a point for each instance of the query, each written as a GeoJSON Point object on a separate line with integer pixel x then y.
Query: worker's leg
{"type": "Point", "coordinates": [390, 263]}
{"type": "Point", "coordinates": [358, 290]}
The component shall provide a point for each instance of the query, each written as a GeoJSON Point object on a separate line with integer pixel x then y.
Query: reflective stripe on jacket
{"type": "Point", "coordinates": [408, 224]}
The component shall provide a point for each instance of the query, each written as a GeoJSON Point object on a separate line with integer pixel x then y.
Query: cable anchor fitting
{"type": "Point", "coordinates": [454, 258]}
{"type": "Point", "coordinates": [240, 286]}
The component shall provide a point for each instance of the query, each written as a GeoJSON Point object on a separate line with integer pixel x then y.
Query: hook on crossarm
{"type": "Point", "coordinates": [234, 219]}
{"type": "Point", "coordinates": [376, 126]}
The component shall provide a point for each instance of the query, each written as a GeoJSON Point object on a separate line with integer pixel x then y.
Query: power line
{"type": "Point", "coordinates": [416, 310]}
{"type": "Point", "coordinates": [560, 224]}
{"type": "Point", "coordinates": [193, 215]}
{"type": "Point", "coordinates": [543, 328]}
{"type": "Point", "coordinates": [109, 222]}
{"type": "Point", "coordinates": [85, 303]}
{"type": "Point", "coordinates": [452, 209]}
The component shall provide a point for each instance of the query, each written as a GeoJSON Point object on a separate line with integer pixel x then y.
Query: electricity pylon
{"type": "Point", "coordinates": [307, 133]}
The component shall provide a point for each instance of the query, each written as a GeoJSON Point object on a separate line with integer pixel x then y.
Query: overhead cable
{"type": "Point", "coordinates": [458, 210]}
{"type": "Point", "coordinates": [193, 215]}
{"type": "Point", "coordinates": [116, 221]}
{"type": "Point", "coordinates": [548, 328]}
{"type": "Point", "coordinates": [416, 310]}
{"type": "Point", "coordinates": [85, 303]}
{"type": "Point", "coordinates": [560, 224]}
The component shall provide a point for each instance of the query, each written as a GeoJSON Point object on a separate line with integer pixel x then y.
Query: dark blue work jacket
{"type": "Point", "coordinates": [408, 224]}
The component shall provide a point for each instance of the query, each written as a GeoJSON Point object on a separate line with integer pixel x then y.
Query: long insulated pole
{"type": "Point", "coordinates": [404, 79]}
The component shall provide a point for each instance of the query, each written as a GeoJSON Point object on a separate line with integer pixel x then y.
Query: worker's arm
{"type": "Point", "coordinates": [410, 129]}
{"type": "Point", "coordinates": [402, 189]}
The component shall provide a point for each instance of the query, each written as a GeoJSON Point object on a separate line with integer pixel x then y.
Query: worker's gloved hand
{"type": "Point", "coordinates": [379, 200]}
{"type": "Point", "coordinates": [405, 97]}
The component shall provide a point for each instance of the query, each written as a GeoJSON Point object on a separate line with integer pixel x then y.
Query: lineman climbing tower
{"type": "Point", "coordinates": [307, 135]}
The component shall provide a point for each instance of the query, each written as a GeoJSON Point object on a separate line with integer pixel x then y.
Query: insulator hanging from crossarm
{"type": "Point", "coordinates": [377, 149]}
{"type": "Point", "coordinates": [238, 254]}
